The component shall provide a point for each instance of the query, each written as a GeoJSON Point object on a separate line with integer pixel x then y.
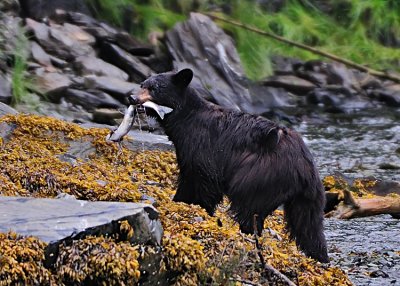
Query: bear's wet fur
{"type": "Point", "coordinates": [253, 161]}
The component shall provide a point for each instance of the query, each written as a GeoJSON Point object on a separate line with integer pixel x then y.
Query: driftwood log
{"type": "Point", "coordinates": [350, 207]}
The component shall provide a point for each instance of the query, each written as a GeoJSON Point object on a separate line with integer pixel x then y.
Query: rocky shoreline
{"type": "Point", "coordinates": [81, 69]}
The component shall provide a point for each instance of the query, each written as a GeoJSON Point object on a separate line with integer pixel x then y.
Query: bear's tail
{"type": "Point", "coordinates": [304, 219]}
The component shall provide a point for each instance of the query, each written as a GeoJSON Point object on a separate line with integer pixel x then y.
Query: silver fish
{"type": "Point", "coordinates": [124, 127]}
{"type": "Point", "coordinates": [160, 109]}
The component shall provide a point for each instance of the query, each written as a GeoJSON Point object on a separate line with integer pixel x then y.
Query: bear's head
{"type": "Point", "coordinates": [166, 89]}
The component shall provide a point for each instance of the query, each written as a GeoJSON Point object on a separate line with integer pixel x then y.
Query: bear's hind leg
{"type": "Point", "coordinates": [244, 213]}
{"type": "Point", "coordinates": [304, 217]}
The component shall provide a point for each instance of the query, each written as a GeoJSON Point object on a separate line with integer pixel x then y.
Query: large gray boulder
{"type": "Point", "coordinates": [201, 45]}
{"type": "Point", "coordinates": [59, 221]}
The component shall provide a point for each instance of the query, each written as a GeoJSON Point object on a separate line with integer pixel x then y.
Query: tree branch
{"type": "Point", "coordinates": [347, 62]}
{"type": "Point", "coordinates": [268, 268]}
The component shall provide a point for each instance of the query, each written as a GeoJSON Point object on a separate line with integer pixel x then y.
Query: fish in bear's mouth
{"type": "Point", "coordinates": [143, 99]}
{"type": "Point", "coordinates": [130, 114]}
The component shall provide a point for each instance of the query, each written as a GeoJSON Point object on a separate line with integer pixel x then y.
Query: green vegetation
{"type": "Point", "coordinates": [20, 81]}
{"type": "Point", "coordinates": [353, 29]}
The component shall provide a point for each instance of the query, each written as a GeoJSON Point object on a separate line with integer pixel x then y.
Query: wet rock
{"type": "Point", "coordinates": [383, 188]}
{"type": "Point", "coordinates": [115, 87]}
{"type": "Point", "coordinates": [5, 89]}
{"type": "Point", "coordinates": [339, 74]}
{"type": "Point", "coordinates": [39, 55]}
{"type": "Point", "coordinates": [201, 45]}
{"type": "Point", "coordinates": [59, 63]}
{"type": "Point", "coordinates": [147, 141]}
{"type": "Point", "coordinates": [390, 97]}
{"type": "Point", "coordinates": [6, 129]}
{"type": "Point", "coordinates": [133, 46]}
{"type": "Point", "coordinates": [134, 67]}
{"type": "Point", "coordinates": [268, 98]}
{"type": "Point", "coordinates": [337, 99]}
{"type": "Point", "coordinates": [106, 116]}
{"type": "Point", "coordinates": [93, 65]}
{"type": "Point", "coordinates": [6, 109]}
{"type": "Point", "coordinates": [284, 65]}
{"type": "Point", "coordinates": [99, 30]}
{"type": "Point", "coordinates": [91, 99]}
{"type": "Point", "coordinates": [63, 41]}
{"type": "Point", "coordinates": [138, 140]}
{"type": "Point", "coordinates": [147, 198]}
{"type": "Point", "coordinates": [52, 85]}
{"type": "Point", "coordinates": [9, 5]}
{"type": "Point", "coordinates": [80, 149]}
{"type": "Point", "coordinates": [291, 83]}
{"type": "Point", "coordinates": [73, 38]}
{"type": "Point", "coordinates": [62, 221]}
{"type": "Point", "coordinates": [40, 31]}
{"type": "Point", "coordinates": [44, 8]}
{"type": "Point", "coordinates": [10, 29]}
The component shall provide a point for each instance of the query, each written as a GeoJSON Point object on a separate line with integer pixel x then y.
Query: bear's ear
{"type": "Point", "coordinates": [183, 77]}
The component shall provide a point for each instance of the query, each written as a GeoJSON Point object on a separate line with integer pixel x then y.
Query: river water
{"type": "Point", "coordinates": [361, 145]}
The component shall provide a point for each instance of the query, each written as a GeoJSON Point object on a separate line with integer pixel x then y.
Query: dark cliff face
{"type": "Point", "coordinates": [42, 9]}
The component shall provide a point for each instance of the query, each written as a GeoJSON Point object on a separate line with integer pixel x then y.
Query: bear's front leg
{"type": "Point", "coordinates": [197, 192]}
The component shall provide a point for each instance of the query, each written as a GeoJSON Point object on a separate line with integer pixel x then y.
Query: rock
{"type": "Point", "coordinates": [337, 99]}
{"type": "Point", "coordinates": [5, 89]}
{"type": "Point", "coordinates": [6, 130]}
{"type": "Point", "coordinates": [339, 74]}
{"type": "Point", "coordinates": [284, 65]}
{"type": "Point", "coordinates": [63, 41]}
{"type": "Point", "coordinates": [52, 85]}
{"type": "Point", "coordinates": [5, 110]}
{"type": "Point", "coordinates": [141, 140]}
{"type": "Point", "coordinates": [10, 29]}
{"type": "Point", "coordinates": [390, 97]}
{"type": "Point", "coordinates": [383, 188]}
{"type": "Point", "coordinates": [147, 141]}
{"type": "Point", "coordinates": [39, 55]}
{"type": "Point", "coordinates": [201, 45]}
{"type": "Point", "coordinates": [40, 31]}
{"type": "Point", "coordinates": [115, 87]}
{"type": "Point", "coordinates": [80, 149]}
{"type": "Point", "coordinates": [135, 68]}
{"type": "Point", "coordinates": [59, 221]}
{"type": "Point", "coordinates": [91, 99]}
{"type": "Point", "coordinates": [58, 62]}
{"type": "Point", "coordinates": [268, 98]}
{"type": "Point", "coordinates": [9, 5]}
{"type": "Point", "coordinates": [133, 46]}
{"type": "Point", "coordinates": [73, 39]}
{"type": "Point", "coordinates": [291, 83]}
{"type": "Point", "coordinates": [93, 65]}
{"type": "Point", "coordinates": [44, 8]}
{"type": "Point", "coordinates": [99, 30]}
{"type": "Point", "coordinates": [106, 116]}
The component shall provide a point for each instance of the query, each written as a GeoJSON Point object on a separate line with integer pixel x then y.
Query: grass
{"type": "Point", "coordinates": [353, 30]}
{"type": "Point", "coordinates": [19, 80]}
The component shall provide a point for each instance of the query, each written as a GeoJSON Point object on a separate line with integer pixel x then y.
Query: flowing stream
{"type": "Point", "coordinates": [363, 145]}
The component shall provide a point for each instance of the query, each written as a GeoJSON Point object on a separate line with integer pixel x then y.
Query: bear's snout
{"type": "Point", "coordinates": [139, 97]}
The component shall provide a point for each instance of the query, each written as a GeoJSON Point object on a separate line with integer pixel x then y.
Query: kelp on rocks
{"type": "Point", "coordinates": [197, 248]}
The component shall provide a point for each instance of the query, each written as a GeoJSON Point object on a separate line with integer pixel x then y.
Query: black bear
{"type": "Point", "coordinates": [256, 163]}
